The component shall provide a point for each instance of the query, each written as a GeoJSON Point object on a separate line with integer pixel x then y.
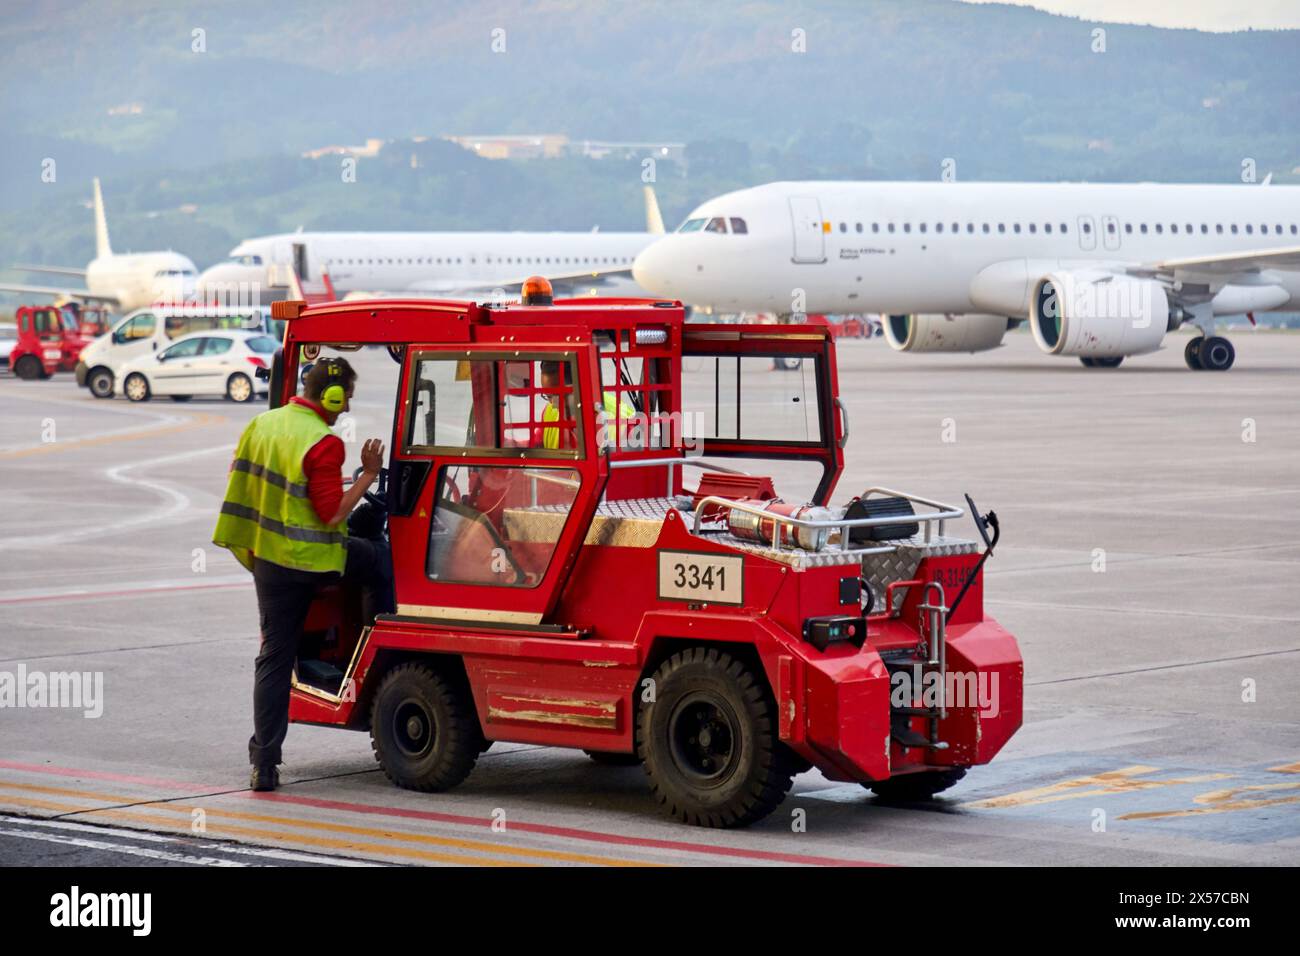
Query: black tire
{"type": "Point", "coordinates": [423, 729]}
{"type": "Point", "coordinates": [29, 368]}
{"type": "Point", "coordinates": [737, 771]}
{"type": "Point", "coordinates": [181, 398]}
{"type": "Point", "coordinates": [916, 787]}
{"type": "Point", "coordinates": [239, 388]}
{"type": "Point", "coordinates": [1085, 361]}
{"type": "Point", "coordinates": [611, 759]}
{"type": "Point", "coordinates": [136, 387]}
{"type": "Point", "coordinates": [100, 382]}
{"type": "Point", "coordinates": [1192, 354]}
{"type": "Point", "coordinates": [1111, 362]}
{"type": "Point", "coordinates": [1216, 354]}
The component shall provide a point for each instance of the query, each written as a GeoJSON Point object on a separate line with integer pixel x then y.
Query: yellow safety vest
{"type": "Point", "coordinates": [551, 434]}
{"type": "Point", "coordinates": [266, 511]}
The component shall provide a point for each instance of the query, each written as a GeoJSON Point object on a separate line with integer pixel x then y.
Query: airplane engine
{"type": "Point", "coordinates": [939, 332]}
{"type": "Point", "coordinates": [1098, 316]}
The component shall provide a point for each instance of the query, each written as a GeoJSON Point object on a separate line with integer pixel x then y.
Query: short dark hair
{"type": "Point", "coordinates": [327, 372]}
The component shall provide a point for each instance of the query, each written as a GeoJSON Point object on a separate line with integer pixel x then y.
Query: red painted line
{"type": "Point", "coordinates": [573, 833]}
{"type": "Point", "coordinates": [125, 592]}
{"type": "Point", "coordinates": [570, 832]}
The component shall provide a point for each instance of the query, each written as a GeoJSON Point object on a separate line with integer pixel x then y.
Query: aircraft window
{"type": "Point", "coordinates": [1263, 229]}
{"type": "Point", "coordinates": [970, 227]}
{"type": "Point", "coordinates": [938, 227]}
{"type": "Point", "coordinates": [956, 227]}
{"type": "Point", "coordinates": [1159, 229]}
{"type": "Point", "coordinates": [907, 227]}
{"type": "Point", "coordinates": [875, 227]}
{"type": "Point", "coordinates": [1189, 228]}
{"type": "Point", "coordinates": [1087, 228]}
{"type": "Point", "coordinates": [1064, 228]}
{"type": "Point", "coordinates": [1173, 227]}
{"type": "Point", "coordinates": [986, 228]}
{"type": "Point", "coordinates": [1033, 228]}
{"type": "Point", "coordinates": [1249, 229]}
{"type": "Point", "coordinates": [692, 225]}
{"type": "Point", "coordinates": [1293, 229]}
{"type": "Point", "coordinates": [1110, 228]}
{"type": "Point", "coordinates": [857, 226]}
{"type": "Point", "coordinates": [1279, 229]}
{"type": "Point", "coordinates": [1128, 228]}
{"type": "Point", "coordinates": [1234, 228]}
{"type": "Point", "coordinates": [1218, 228]}
{"type": "Point", "coordinates": [921, 227]}
{"type": "Point", "coordinates": [1015, 227]}
{"type": "Point", "coordinates": [1143, 228]}
{"type": "Point", "coordinates": [1204, 228]}
{"type": "Point", "coordinates": [1002, 227]}
{"type": "Point", "coordinates": [844, 227]}
{"type": "Point", "coordinates": [891, 227]}
{"type": "Point", "coordinates": [1047, 227]}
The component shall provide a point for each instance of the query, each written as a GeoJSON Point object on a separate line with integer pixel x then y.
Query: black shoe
{"type": "Point", "coordinates": [264, 778]}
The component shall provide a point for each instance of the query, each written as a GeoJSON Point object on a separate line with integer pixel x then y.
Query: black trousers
{"type": "Point", "coordinates": [284, 596]}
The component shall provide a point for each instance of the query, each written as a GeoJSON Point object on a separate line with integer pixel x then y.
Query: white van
{"type": "Point", "coordinates": [153, 328]}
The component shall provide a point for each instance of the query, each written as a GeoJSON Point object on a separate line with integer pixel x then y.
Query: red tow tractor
{"type": "Point", "coordinates": [51, 337]}
{"type": "Point", "coordinates": [564, 578]}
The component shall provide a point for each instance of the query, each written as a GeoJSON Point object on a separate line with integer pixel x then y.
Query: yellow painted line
{"type": "Point", "coordinates": [1286, 768]}
{"type": "Point", "coordinates": [1221, 801]}
{"type": "Point", "coordinates": [273, 836]}
{"type": "Point", "coordinates": [557, 856]}
{"type": "Point", "coordinates": [197, 421]}
{"type": "Point", "coordinates": [1109, 783]}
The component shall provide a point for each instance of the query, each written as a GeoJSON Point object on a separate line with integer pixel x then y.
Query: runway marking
{"type": "Point", "coordinates": [1170, 612]}
{"type": "Point", "coordinates": [1221, 801]}
{"type": "Point", "coordinates": [171, 427]}
{"type": "Point", "coordinates": [85, 594]}
{"type": "Point", "coordinates": [554, 856]}
{"type": "Point", "coordinates": [144, 836]}
{"type": "Point", "coordinates": [1162, 667]}
{"type": "Point", "coordinates": [1107, 783]}
{"type": "Point", "coordinates": [596, 836]}
{"type": "Point", "coordinates": [178, 502]}
{"type": "Point", "coordinates": [355, 846]}
{"type": "Point", "coordinates": [121, 848]}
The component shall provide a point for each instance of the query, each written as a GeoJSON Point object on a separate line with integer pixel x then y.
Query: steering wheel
{"type": "Point", "coordinates": [379, 496]}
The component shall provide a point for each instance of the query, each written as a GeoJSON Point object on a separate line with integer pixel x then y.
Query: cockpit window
{"type": "Point", "coordinates": [248, 260]}
{"type": "Point", "coordinates": [738, 226]}
{"type": "Point", "coordinates": [692, 225]}
{"type": "Point", "coordinates": [716, 224]}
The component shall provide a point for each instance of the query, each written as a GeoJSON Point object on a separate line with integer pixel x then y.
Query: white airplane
{"type": "Point", "coordinates": [124, 281]}
{"type": "Point", "coordinates": [1100, 271]}
{"type": "Point", "coordinates": [434, 263]}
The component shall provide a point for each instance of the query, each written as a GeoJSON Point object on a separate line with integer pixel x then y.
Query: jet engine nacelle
{"type": "Point", "coordinates": [942, 332]}
{"type": "Point", "coordinates": [1093, 316]}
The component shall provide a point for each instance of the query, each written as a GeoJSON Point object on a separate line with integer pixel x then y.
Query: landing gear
{"type": "Point", "coordinates": [1112, 362]}
{"type": "Point", "coordinates": [1216, 354]}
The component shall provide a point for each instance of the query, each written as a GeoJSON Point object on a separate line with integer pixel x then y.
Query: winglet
{"type": "Point", "coordinates": [102, 248]}
{"type": "Point", "coordinates": [654, 222]}
{"type": "Point", "coordinates": [1267, 179]}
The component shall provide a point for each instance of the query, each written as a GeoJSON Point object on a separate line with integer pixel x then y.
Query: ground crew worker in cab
{"type": "Point", "coordinates": [284, 518]}
{"type": "Point", "coordinates": [562, 436]}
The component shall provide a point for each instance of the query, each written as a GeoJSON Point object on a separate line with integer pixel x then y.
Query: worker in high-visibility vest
{"type": "Point", "coordinates": [619, 414]}
{"type": "Point", "coordinates": [284, 518]}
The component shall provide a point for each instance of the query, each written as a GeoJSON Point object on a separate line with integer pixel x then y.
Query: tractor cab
{"type": "Point", "coordinates": [583, 502]}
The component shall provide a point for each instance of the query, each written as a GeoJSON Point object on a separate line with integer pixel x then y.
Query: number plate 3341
{"type": "Point", "coordinates": [704, 578]}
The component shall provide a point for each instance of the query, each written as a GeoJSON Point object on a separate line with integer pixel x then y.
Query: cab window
{"type": "Point", "coordinates": [217, 345]}
{"type": "Point", "coordinates": [498, 524]}
{"type": "Point", "coordinates": [494, 404]}
{"type": "Point", "coordinates": [138, 327]}
{"type": "Point", "coordinates": [751, 398]}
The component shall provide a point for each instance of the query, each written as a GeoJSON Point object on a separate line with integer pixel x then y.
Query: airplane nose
{"type": "Point", "coordinates": [650, 269]}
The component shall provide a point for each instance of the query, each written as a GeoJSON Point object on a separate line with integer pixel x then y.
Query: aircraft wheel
{"type": "Point", "coordinates": [1192, 353]}
{"type": "Point", "coordinates": [709, 741]}
{"type": "Point", "coordinates": [1216, 354]}
{"type": "Point", "coordinates": [915, 787]}
{"type": "Point", "coordinates": [1085, 361]}
{"type": "Point", "coordinates": [423, 729]}
{"type": "Point", "coordinates": [1111, 362]}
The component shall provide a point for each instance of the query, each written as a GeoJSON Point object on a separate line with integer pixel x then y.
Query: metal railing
{"type": "Point", "coordinates": [941, 515]}
{"type": "Point", "coordinates": [672, 464]}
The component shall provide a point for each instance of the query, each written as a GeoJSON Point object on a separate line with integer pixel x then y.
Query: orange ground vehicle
{"type": "Point", "coordinates": [563, 578]}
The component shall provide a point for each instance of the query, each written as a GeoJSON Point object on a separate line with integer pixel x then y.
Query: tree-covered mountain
{"type": "Point", "coordinates": [210, 105]}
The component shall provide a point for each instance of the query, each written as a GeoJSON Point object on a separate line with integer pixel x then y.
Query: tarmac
{"type": "Point", "coordinates": [1148, 567]}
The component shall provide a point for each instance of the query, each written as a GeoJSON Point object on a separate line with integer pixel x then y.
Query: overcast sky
{"type": "Point", "coordinates": [1197, 14]}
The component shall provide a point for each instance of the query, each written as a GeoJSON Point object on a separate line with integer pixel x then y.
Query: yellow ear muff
{"type": "Point", "coordinates": [334, 398]}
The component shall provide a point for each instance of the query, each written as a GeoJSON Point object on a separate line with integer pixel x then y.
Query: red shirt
{"type": "Point", "coordinates": [323, 465]}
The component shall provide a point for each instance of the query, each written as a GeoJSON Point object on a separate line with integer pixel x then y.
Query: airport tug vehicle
{"type": "Point", "coordinates": [579, 562]}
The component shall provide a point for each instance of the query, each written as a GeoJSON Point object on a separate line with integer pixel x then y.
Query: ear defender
{"type": "Point", "coordinates": [335, 396]}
